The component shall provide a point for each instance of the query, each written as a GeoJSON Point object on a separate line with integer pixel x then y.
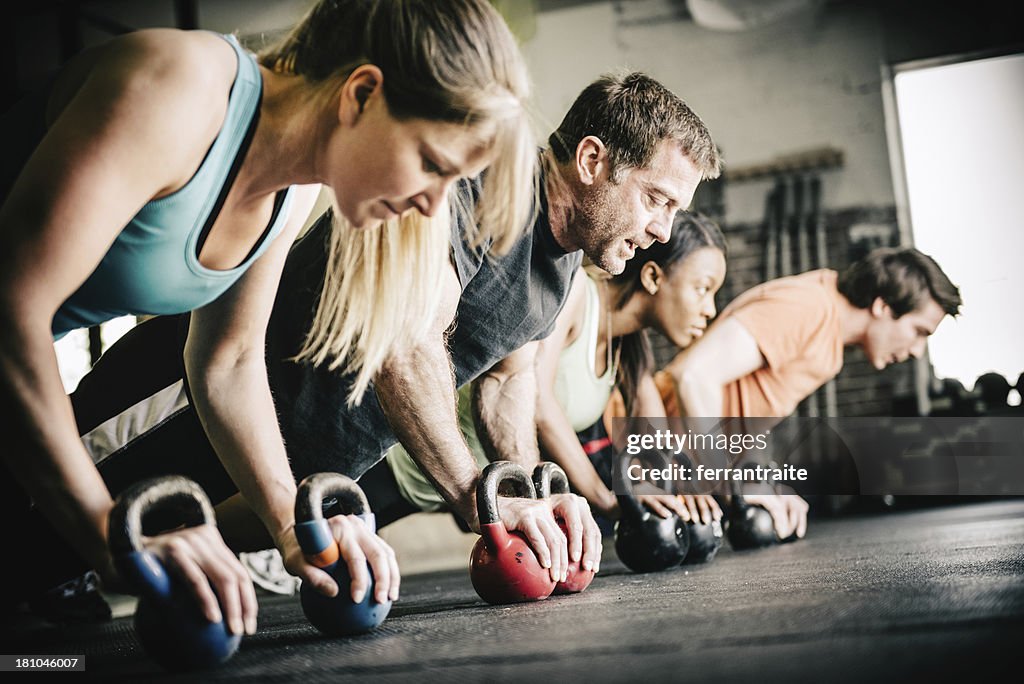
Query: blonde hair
{"type": "Point", "coordinates": [359, 320]}
{"type": "Point", "coordinates": [443, 60]}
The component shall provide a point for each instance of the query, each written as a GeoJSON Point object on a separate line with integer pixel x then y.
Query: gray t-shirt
{"type": "Point", "coordinates": [506, 302]}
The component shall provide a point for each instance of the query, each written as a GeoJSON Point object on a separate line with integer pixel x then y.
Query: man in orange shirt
{"type": "Point", "coordinates": [778, 342]}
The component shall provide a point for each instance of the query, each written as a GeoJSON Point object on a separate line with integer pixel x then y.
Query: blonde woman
{"type": "Point", "coordinates": [169, 171]}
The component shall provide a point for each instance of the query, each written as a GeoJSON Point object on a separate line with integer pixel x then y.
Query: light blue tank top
{"type": "Point", "coordinates": [153, 265]}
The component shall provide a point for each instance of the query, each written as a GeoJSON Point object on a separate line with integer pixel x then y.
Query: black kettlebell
{"type": "Point", "coordinates": [337, 616]}
{"type": "Point", "coordinates": [644, 541]}
{"type": "Point", "coordinates": [168, 620]}
{"type": "Point", "coordinates": [705, 541]}
{"type": "Point", "coordinates": [751, 526]}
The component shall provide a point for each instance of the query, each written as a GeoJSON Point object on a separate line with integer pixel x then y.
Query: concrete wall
{"type": "Point", "coordinates": [808, 81]}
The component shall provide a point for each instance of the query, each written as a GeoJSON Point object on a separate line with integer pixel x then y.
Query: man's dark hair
{"type": "Point", "coordinates": [631, 113]}
{"type": "Point", "coordinates": [902, 277]}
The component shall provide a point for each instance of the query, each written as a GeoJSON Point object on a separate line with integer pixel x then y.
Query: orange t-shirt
{"type": "Point", "coordinates": [795, 322]}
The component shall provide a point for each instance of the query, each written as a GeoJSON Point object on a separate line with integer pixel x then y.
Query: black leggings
{"type": "Point", "coordinates": [148, 359]}
{"type": "Point", "coordinates": [386, 500]}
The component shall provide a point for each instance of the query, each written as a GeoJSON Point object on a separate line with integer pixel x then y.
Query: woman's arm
{"type": "Point", "coordinates": [227, 372]}
{"type": "Point", "coordinates": [88, 176]}
{"type": "Point", "coordinates": [695, 507]}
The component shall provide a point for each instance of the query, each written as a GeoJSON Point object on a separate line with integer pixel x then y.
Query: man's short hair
{"type": "Point", "coordinates": [631, 113]}
{"type": "Point", "coordinates": [902, 277]}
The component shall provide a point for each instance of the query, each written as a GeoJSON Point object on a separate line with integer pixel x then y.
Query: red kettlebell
{"type": "Point", "coordinates": [503, 567]}
{"type": "Point", "coordinates": [548, 478]}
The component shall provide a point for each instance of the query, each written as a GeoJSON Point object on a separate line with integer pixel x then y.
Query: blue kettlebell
{"type": "Point", "coordinates": [168, 620]}
{"type": "Point", "coordinates": [338, 616]}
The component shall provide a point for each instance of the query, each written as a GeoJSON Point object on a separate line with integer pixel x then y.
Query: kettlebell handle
{"type": "Point", "coordinates": [319, 486]}
{"type": "Point", "coordinates": [627, 501]}
{"type": "Point", "coordinates": [487, 490]}
{"type": "Point", "coordinates": [182, 497]}
{"type": "Point", "coordinates": [549, 479]}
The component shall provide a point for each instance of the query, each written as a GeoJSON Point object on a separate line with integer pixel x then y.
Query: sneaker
{"type": "Point", "coordinates": [266, 568]}
{"type": "Point", "coordinates": [75, 602]}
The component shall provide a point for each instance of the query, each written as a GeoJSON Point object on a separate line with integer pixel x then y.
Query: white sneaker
{"type": "Point", "coordinates": [266, 568]}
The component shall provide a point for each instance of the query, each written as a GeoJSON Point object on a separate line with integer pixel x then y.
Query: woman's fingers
{"type": "Point", "coordinates": [360, 548]}
{"type": "Point", "coordinates": [213, 574]}
{"type": "Point", "coordinates": [296, 564]}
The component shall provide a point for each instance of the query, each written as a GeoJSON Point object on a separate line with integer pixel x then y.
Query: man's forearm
{"type": "Point", "coordinates": [417, 392]}
{"type": "Point", "coordinates": [504, 408]}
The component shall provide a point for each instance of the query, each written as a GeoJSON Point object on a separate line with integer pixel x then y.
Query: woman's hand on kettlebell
{"type": "Point", "coordinates": [582, 532]}
{"type": "Point", "coordinates": [789, 512]}
{"type": "Point", "coordinates": [358, 546]}
{"type": "Point", "coordinates": [199, 556]}
{"type": "Point", "coordinates": [662, 505]}
{"type": "Point", "coordinates": [702, 507]}
{"type": "Point", "coordinates": [534, 520]}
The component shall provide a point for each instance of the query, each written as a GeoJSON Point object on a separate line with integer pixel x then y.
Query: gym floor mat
{"type": "Point", "coordinates": [904, 595]}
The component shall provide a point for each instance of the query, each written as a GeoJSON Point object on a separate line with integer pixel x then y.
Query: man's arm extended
{"type": "Point", "coordinates": [416, 390]}
{"type": "Point", "coordinates": [727, 352]}
{"type": "Point", "coordinates": [504, 408]}
{"type": "Point", "coordinates": [504, 412]}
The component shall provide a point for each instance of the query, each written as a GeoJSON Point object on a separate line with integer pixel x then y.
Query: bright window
{"type": "Point", "coordinates": [962, 132]}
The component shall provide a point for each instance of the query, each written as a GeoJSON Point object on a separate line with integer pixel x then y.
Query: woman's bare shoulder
{"type": "Point", "coordinates": [186, 74]}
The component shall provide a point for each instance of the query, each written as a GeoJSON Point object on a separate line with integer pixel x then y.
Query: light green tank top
{"type": "Point", "coordinates": [581, 394]}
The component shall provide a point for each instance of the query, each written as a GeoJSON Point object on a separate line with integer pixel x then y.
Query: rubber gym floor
{"type": "Point", "coordinates": [932, 593]}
